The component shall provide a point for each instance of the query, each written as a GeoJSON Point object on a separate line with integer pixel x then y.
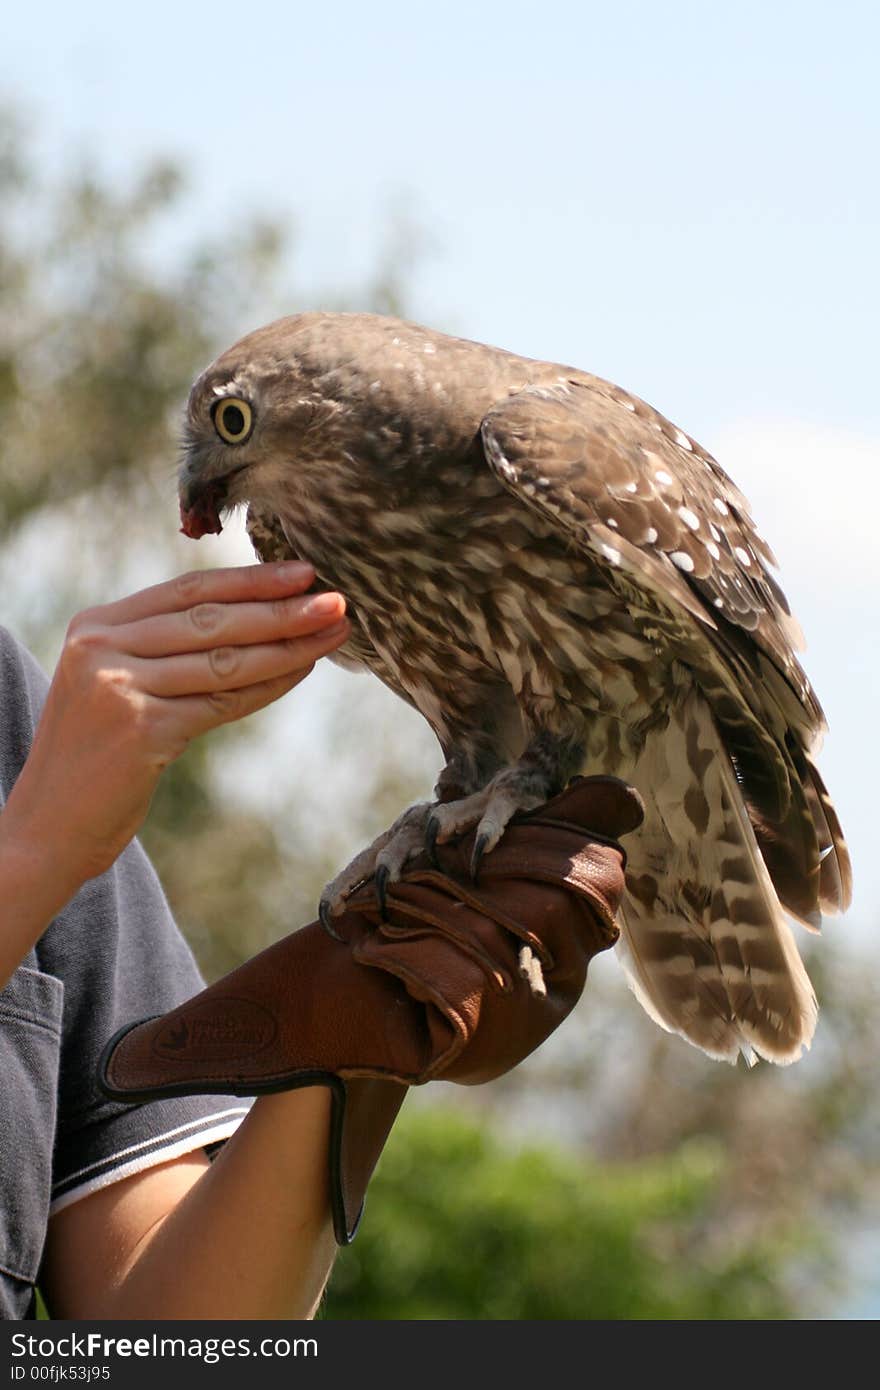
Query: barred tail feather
{"type": "Point", "coordinates": [704, 940]}
{"type": "Point", "coordinates": [804, 850]}
{"type": "Point", "coordinates": [835, 873]}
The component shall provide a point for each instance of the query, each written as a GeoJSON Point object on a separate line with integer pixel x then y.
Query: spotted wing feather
{"type": "Point", "coordinates": [675, 535]}
{"type": "Point", "coordinates": [613, 469]}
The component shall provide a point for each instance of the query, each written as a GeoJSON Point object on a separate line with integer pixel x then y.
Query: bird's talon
{"type": "Point", "coordinates": [432, 830]}
{"type": "Point", "coordinates": [325, 914]}
{"type": "Point", "coordinates": [383, 875]}
{"type": "Point", "coordinates": [477, 856]}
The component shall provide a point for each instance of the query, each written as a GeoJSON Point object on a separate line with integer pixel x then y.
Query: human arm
{"type": "Point", "coordinates": [460, 983]}
{"type": "Point", "coordinates": [248, 1235]}
{"type": "Point", "coordinates": [441, 990]}
{"type": "Point", "coordinates": [136, 681]}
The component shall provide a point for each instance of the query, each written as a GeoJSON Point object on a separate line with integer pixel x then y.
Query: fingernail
{"type": "Point", "coordinates": [320, 604]}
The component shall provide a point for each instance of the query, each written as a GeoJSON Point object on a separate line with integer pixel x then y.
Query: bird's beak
{"type": "Point", "coordinates": [202, 500]}
{"type": "Point", "coordinates": [200, 505]}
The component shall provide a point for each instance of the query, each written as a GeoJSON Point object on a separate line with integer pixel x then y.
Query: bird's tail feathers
{"type": "Point", "coordinates": [704, 941]}
{"type": "Point", "coordinates": [835, 868]}
{"type": "Point", "coordinates": [804, 849]}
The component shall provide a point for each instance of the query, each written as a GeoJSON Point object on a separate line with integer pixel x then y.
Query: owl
{"type": "Point", "coordinates": [560, 581]}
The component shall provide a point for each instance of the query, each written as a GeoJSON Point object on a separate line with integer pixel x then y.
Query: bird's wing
{"type": "Point", "coordinates": [672, 532]}
{"type": "Point", "coordinates": [647, 500]}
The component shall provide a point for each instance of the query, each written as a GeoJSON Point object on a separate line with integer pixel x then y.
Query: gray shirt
{"type": "Point", "coordinates": [113, 955]}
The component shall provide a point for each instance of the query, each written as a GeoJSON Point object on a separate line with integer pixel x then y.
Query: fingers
{"type": "Point", "coordinates": [233, 585]}
{"type": "Point", "coordinates": [197, 714]}
{"type": "Point", "coordinates": [211, 624]}
{"type": "Point", "coordinates": [232, 668]}
{"type": "Point", "coordinates": [218, 646]}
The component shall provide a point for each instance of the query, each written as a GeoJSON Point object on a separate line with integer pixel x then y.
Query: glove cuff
{"type": "Point", "coordinates": [364, 1111]}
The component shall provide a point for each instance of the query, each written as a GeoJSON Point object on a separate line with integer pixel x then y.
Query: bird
{"type": "Point", "coordinates": [562, 582]}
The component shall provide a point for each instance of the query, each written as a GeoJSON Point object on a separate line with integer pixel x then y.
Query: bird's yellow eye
{"type": "Point", "coordinates": [233, 419]}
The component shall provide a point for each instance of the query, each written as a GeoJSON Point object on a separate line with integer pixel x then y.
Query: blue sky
{"type": "Point", "coordinates": [681, 197]}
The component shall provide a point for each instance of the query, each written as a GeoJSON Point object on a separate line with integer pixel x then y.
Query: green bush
{"type": "Point", "coordinates": [458, 1227]}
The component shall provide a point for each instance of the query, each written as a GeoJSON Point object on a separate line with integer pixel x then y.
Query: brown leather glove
{"type": "Point", "coordinates": [460, 982]}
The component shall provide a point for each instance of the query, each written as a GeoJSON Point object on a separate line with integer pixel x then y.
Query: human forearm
{"type": "Point", "coordinates": [249, 1236]}
{"type": "Point", "coordinates": [253, 1238]}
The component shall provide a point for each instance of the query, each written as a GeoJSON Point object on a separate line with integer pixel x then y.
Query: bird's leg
{"type": "Point", "coordinates": [466, 768]}
{"type": "Point", "coordinates": [471, 791]}
{"type": "Point", "coordinates": [385, 858]}
{"type": "Point", "coordinates": [541, 772]}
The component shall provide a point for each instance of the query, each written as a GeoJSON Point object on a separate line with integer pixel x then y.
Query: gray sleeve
{"type": "Point", "coordinates": [120, 957]}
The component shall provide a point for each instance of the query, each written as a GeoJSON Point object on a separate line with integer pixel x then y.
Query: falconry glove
{"type": "Point", "coordinates": [456, 980]}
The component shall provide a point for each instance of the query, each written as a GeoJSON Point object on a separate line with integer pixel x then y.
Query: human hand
{"type": "Point", "coordinates": [136, 681]}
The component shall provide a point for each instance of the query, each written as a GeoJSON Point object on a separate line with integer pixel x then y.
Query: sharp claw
{"type": "Point", "coordinates": [432, 830]}
{"type": "Point", "coordinates": [477, 856]}
{"type": "Point", "coordinates": [383, 875]}
{"type": "Point", "coordinates": [325, 914]}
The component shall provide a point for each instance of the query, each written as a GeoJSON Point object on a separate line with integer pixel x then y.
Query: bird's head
{"type": "Point", "coordinates": [297, 415]}
{"type": "Point", "coordinates": [252, 416]}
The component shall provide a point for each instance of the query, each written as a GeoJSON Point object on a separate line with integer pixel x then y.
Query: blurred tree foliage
{"type": "Point", "coordinates": [457, 1226]}
{"type": "Point", "coordinates": [707, 1187]}
{"type": "Point", "coordinates": [103, 328]}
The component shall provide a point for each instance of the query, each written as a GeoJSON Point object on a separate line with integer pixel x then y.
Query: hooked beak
{"type": "Point", "coordinates": [201, 503]}
{"type": "Point", "coordinates": [200, 509]}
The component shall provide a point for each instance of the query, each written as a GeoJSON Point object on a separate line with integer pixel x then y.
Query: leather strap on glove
{"type": "Point", "coordinates": [461, 981]}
